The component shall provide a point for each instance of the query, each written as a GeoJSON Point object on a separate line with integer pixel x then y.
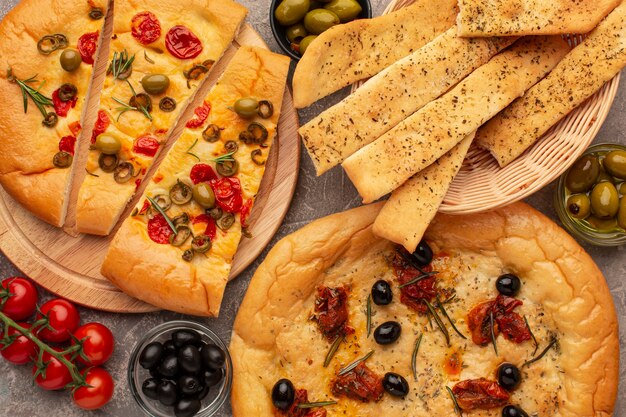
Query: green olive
{"type": "Point", "coordinates": [246, 107]}
{"type": "Point", "coordinates": [203, 195]}
{"type": "Point", "coordinates": [346, 10]}
{"type": "Point", "coordinates": [583, 174]}
{"type": "Point", "coordinates": [107, 144]}
{"type": "Point", "coordinates": [70, 60]}
{"type": "Point", "coordinates": [201, 244]}
{"type": "Point", "coordinates": [621, 213]}
{"type": "Point", "coordinates": [604, 200]}
{"type": "Point", "coordinates": [289, 12]}
{"type": "Point", "coordinates": [316, 4]}
{"type": "Point", "coordinates": [296, 33]}
{"type": "Point", "coordinates": [622, 188]}
{"type": "Point", "coordinates": [603, 225]}
{"type": "Point", "coordinates": [603, 176]}
{"type": "Point", "coordinates": [155, 83]}
{"type": "Point", "coordinates": [615, 164]}
{"type": "Point", "coordinates": [304, 43]}
{"type": "Point", "coordinates": [579, 206]}
{"type": "Point", "coordinates": [319, 20]}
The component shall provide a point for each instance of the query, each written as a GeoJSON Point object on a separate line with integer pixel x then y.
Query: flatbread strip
{"type": "Point", "coordinates": [563, 291]}
{"type": "Point", "coordinates": [412, 145]}
{"type": "Point", "coordinates": [357, 50]}
{"type": "Point", "coordinates": [27, 148]}
{"type": "Point", "coordinates": [156, 273]}
{"type": "Point", "coordinates": [393, 95]}
{"type": "Point", "coordinates": [581, 73]}
{"type": "Point", "coordinates": [410, 209]}
{"type": "Point", "coordinates": [530, 17]}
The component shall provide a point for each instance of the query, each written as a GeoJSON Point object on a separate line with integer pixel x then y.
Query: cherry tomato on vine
{"type": "Point", "coordinates": [56, 377]}
{"type": "Point", "coordinates": [21, 351]}
{"type": "Point", "coordinates": [63, 318]}
{"type": "Point", "coordinates": [98, 393]}
{"type": "Point", "coordinates": [98, 343]}
{"type": "Point", "coordinates": [21, 298]}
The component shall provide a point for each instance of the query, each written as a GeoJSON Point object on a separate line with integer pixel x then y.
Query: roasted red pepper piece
{"type": "Point", "coordinates": [480, 393]}
{"type": "Point", "coordinates": [228, 194]}
{"type": "Point", "coordinates": [146, 145]}
{"type": "Point", "coordinates": [331, 311]}
{"type": "Point", "coordinates": [361, 383]}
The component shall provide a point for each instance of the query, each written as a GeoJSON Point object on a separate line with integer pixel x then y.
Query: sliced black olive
{"type": "Point", "coordinates": [96, 13]}
{"type": "Point", "coordinates": [50, 120]}
{"type": "Point", "coordinates": [149, 388]}
{"type": "Point", "coordinates": [395, 384]}
{"type": "Point", "coordinates": [61, 40]}
{"type": "Point", "coordinates": [169, 366]}
{"type": "Point", "coordinates": [381, 293]}
{"type": "Point", "coordinates": [188, 255]}
{"type": "Point", "coordinates": [387, 333]}
{"type": "Point", "coordinates": [167, 104]}
{"type": "Point", "coordinates": [255, 154]}
{"type": "Point", "coordinates": [67, 92]}
{"type": "Point", "coordinates": [513, 411]}
{"type": "Point", "coordinates": [212, 377]}
{"type": "Point", "coordinates": [509, 376]}
{"type": "Point", "coordinates": [181, 219]}
{"type": "Point", "coordinates": [226, 221]}
{"type": "Point", "coordinates": [187, 407]}
{"type": "Point", "coordinates": [227, 168]}
{"type": "Point", "coordinates": [189, 359]}
{"type": "Point", "coordinates": [184, 337]}
{"type": "Point", "coordinates": [123, 172]}
{"type": "Point", "coordinates": [266, 109]}
{"type": "Point", "coordinates": [167, 392]}
{"type": "Point", "coordinates": [215, 213]}
{"type": "Point", "coordinates": [181, 236]}
{"type": "Point", "coordinates": [198, 70]}
{"type": "Point", "coordinates": [212, 133]}
{"type": "Point", "coordinates": [283, 394]}
{"type": "Point", "coordinates": [423, 254]}
{"type": "Point", "coordinates": [50, 43]}
{"type": "Point", "coordinates": [181, 193]}
{"type": "Point", "coordinates": [62, 159]}
{"type": "Point", "coordinates": [231, 146]}
{"type": "Point", "coordinates": [246, 137]}
{"type": "Point", "coordinates": [151, 355]}
{"type": "Point", "coordinates": [213, 357]}
{"type": "Point", "coordinates": [201, 244]}
{"type": "Point", "coordinates": [508, 284]}
{"type": "Point", "coordinates": [141, 100]}
{"type": "Point", "coordinates": [164, 201]}
{"type": "Point", "coordinates": [258, 131]}
{"type": "Point", "coordinates": [107, 162]}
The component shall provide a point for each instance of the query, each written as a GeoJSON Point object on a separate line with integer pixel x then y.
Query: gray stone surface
{"type": "Point", "coordinates": [314, 198]}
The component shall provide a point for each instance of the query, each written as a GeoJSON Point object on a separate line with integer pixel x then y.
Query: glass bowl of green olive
{"type": "Point", "coordinates": [296, 23]}
{"type": "Point", "coordinates": [591, 196]}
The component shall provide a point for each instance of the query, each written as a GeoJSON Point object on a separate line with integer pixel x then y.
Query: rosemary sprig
{"type": "Point", "coordinates": [227, 157]}
{"type": "Point", "coordinates": [416, 349]}
{"type": "Point", "coordinates": [355, 364]}
{"type": "Point", "coordinates": [457, 408]}
{"type": "Point", "coordinates": [35, 95]}
{"type": "Point", "coordinates": [316, 404]}
{"type": "Point", "coordinates": [410, 261]}
{"type": "Point", "coordinates": [91, 173]}
{"type": "Point", "coordinates": [451, 298]}
{"type": "Point", "coordinates": [368, 311]}
{"type": "Point", "coordinates": [333, 350]}
{"type": "Point", "coordinates": [127, 107]}
{"type": "Point", "coordinates": [445, 313]}
{"type": "Point", "coordinates": [160, 210]}
{"type": "Point", "coordinates": [492, 333]}
{"type": "Point", "coordinates": [438, 321]}
{"type": "Point", "coordinates": [418, 279]}
{"type": "Point", "coordinates": [542, 354]}
{"type": "Point", "coordinates": [191, 153]}
{"type": "Point", "coordinates": [532, 335]}
{"type": "Point", "coordinates": [121, 63]}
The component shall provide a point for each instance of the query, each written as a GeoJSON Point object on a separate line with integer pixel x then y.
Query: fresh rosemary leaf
{"type": "Point", "coordinates": [160, 210]}
{"type": "Point", "coordinates": [191, 153]}
{"type": "Point", "coordinates": [121, 64]}
{"type": "Point", "coordinates": [532, 335]}
{"type": "Point", "coordinates": [227, 157]}
{"type": "Point", "coordinates": [542, 354]}
{"type": "Point", "coordinates": [40, 100]}
{"type": "Point", "coordinates": [410, 261]}
{"type": "Point", "coordinates": [457, 409]}
{"type": "Point", "coordinates": [91, 173]}
{"type": "Point", "coordinates": [438, 321]}
{"type": "Point", "coordinates": [369, 315]}
{"type": "Point", "coordinates": [355, 364]}
{"type": "Point", "coordinates": [332, 350]}
{"type": "Point", "coordinates": [418, 279]}
{"type": "Point", "coordinates": [492, 333]}
{"type": "Point", "coordinates": [418, 342]}
{"type": "Point", "coordinates": [316, 404]}
{"type": "Point", "coordinates": [445, 313]}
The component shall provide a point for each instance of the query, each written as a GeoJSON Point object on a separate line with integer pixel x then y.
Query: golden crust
{"type": "Point", "coordinates": [563, 292]}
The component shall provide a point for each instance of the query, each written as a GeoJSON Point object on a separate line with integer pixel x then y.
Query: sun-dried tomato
{"type": "Point", "coordinates": [228, 194]}
{"type": "Point", "coordinates": [67, 144]}
{"type": "Point", "coordinates": [361, 383]}
{"type": "Point", "coordinates": [200, 115]}
{"type": "Point", "coordinates": [182, 43]}
{"type": "Point", "coordinates": [87, 45]}
{"type": "Point", "coordinates": [101, 125]}
{"type": "Point", "coordinates": [479, 323]}
{"type": "Point", "coordinates": [158, 229]}
{"type": "Point", "coordinates": [480, 393]}
{"type": "Point", "coordinates": [61, 108]}
{"type": "Point", "coordinates": [210, 230]}
{"type": "Point", "coordinates": [414, 294]}
{"type": "Point", "coordinates": [202, 173]}
{"type": "Point", "coordinates": [301, 397]}
{"type": "Point", "coordinates": [145, 27]}
{"type": "Point", "coordinates": [146, 145]}
{"type": "Point", "coordinates": [331, 311]}
{"type": "Point", "coordinates": [506, 321]}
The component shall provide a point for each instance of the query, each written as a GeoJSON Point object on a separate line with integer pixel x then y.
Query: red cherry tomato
{"type": "Point", "coordinates": [22, 350]}
{"type": "Point", "coordinates": [202, 173]}
{"type": "Point", "coordinates": [98, 343]}
{"type": "Point", "coordinates": [245, 212]}
{"type": "Point", "coordinates": [63, 318]}
{"type": "Point", "coordinates": [61, 107]}
{"type": "Point", "coordinates": [182, 43]}
{"type": "Point", "coordinates": [57, 376]}
{"type": "Point", "coordinates": [146, 145]}
{"type": "Point", "coordinates": [67, 144]}
{"type": "Point", "coordinates": [210, 230]}
{"type": "Point", "coordinates": [19, 296]}
{"type": "Point", "coordinates": [145, 27]}
{"type": "Point", "coordinates": [75, 128]}
{"type": "Point", "coordinates": [158, 229]}
{"type": "Point", "coordinates": [102, 123]}
{"type": "Point", "coordinates": [228, 194]}
{"type": "Point", "coordinates": [200, 115]}
{"type": "Point", "coordinates": [98, 393]}
{"type": "Point", "coordinates": [87, 45]}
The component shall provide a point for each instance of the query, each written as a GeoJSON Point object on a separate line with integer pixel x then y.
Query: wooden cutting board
{"type": "Point", "coordinates": [70, 265]}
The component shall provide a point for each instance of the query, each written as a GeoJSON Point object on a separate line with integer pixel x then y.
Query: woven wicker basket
{"type": "Point", "coordinates": [482, 185]}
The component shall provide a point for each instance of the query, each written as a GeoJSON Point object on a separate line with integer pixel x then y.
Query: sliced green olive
{"type": "Point", "coordinates": [107, 163]}
{"type": "Point", "coordinates": [227, 168]}
{"type": "Point", "coordinates": [304, 43]}
{"type": "Point", "coordinates": [181, 193]}
{"type": "Point", "coordinates": [615, 164]}
{"type": "Point", "coordinates": [246, 137]}
{"type": "Point", "coordinates": [226, 221]}
{"type": "Point", "coordinates": [258, 131]}
{"type": "Point", "coordinates": [583, 174]}
{"type": "Point", "coordinates": [296, 33]}
{"type": "Point", "coordinates": [96, 13]}
{"type": "Point", "coordinates": [604, 200]}
{"type": "Point", "coordinates": [62, 159]}
{"type": "Point", "coordinates": [108, 144]}
{"type": "Point", "coordinates": [255, 155]}
{"type": "Point", "coordinates": [50, 120]}
{"type": "Point", "coordinates": [50, 43]}
{"type": "Point", "coordinates": [621, 213]}
{"type": "Point", "coordinates": [181, 220]}
{"type": "Point", "coordinates": [181, 236]}
{"type": "Point", "coordinates": [198, 70]}
{"type": "Point", "coordinates": [68, 92]}
{"type": "Point", "coordinates": [188, 255]}
{"type": "Point", "coordinates": [141, 100]}
{"type": "Point", "coordinates": [201, 244]}
{"type": "Point", "coordinates": [203, 195]}
{"type": "Point", "coordinates": [579, 206]}
{"type": "Point", "coordinates": [167, 104]}
{"type": "Point", "coordinates": [70, 60]}
{"type": "Point", "coordinates": [163, 200]}
{"type": "Point", "coordinates": [602, 225]}
{"type": "Point", "coordinates": [246, 107]}
{"type": "Point", "coordinates": [155, 83]}
{"type": "Point", "coordinates": [123, 172]}
{"type": "Point", "coordinates": [231, 146]}
{"type": "Point", "coordinates": [215, 213]}
{"type": "Point", "coordinates": [211, 133]}
{"type": "Point", "coordinates": [266, 109]}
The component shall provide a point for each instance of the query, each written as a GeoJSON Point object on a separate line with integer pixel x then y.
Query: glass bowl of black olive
{"type": "Point", "coordinates": [180, 368]}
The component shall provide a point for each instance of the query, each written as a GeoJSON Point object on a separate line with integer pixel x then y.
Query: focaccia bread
{"type": "Point", "coordinates": [313, 288]}
{"type": "Point", "coordinates": [28, 148]}
{"type": "Point", "coordinates": [187, 271]}
{"type": "Point", "coordinates": [157, 40]}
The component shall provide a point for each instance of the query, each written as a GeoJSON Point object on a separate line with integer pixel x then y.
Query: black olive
{"type": "Point", "coordinates": [395, 384]}
{"type": "Point", "coordinates": [169, 348]}
{"type": "Point", "coordinates": [212, 377]}
{"type": "Point", "coordinates": [167, 393]}
{"type": "Point", "coordinates": [387, 333]}
{"type": "Point", "coordinates": [513, 411]}
{"type": "Point", "coordinates": [189, 385]}
{"type": "Point", "coordinates": [213, 357]}
{"type": "Point", "coordinates": [509, 376]}
{"type": "Point", "coordinates": [508, 284]}
{"type": "Point", "coordinates": [151, 355]}
{"type": "Point", "coordinates": [423, 254]}
{"type": "Point", "coordinates": [202, 393]}
{"type": "Point", "coordinates": [381, 293]}
{"type": "Point", "coordinates": [186, 337]}
{"type": "Point", "coordinates": [149, 388]}
{"type": "Point", "coordinates": [187, 407]}
{"type": "Point", "coordinates": [169, 367]}
{"type": "Point", "coordinates": [283, 394]}
{"type": "Point", "coordinates": [154, 373]}
{"type": "Point", "coordinates": [189, 359]}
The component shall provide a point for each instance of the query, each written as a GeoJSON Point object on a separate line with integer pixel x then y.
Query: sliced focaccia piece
{"type": "Point", "coordinates": [47, 51]}
{"type": "Point", "coordinates": [176, 249]}
{"type": "Point", "coordinates": [160, 52]}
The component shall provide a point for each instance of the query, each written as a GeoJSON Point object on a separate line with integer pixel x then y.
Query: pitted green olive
{"type": "Point", "coordinates": [615, 164]}
{"type": "Point", "coordinates": [290, 12]}
{"type": "Point", "coordinates": [203, 195]}
{"type": "Point", "coordinates": [346, 10]}
{"type": "Point", "coordinates": [70, 60]}
{"type": "Point", "coordinates": [603, 225]}
{"type": "Point", "coordinates": [604, 200]}
{"type": "Point", "coordinates": [583, 174]}
{"type": "Point", "coordinates": [304, 43]}
{"type": "Point", "coordinates": [319, 20]}
{"type": "Point", "coordinates": [296, 33]}
{"type": "Point", "coordinates": [579, 206]}
{"type": "Point", "coordinates": [246, 107]}
{"type": "Point", "coordinates": [603, 176]}
{"type": "Point", "coordinates": [315, 4]}
{"type": "Point", "coordinates": [621, 213]}
{"type": "Point", "coordinates": [622, 188]}
{"type": "Point", "coordinates": [108, 144]}
{"type": "Point", "coordinates": [155, 83]}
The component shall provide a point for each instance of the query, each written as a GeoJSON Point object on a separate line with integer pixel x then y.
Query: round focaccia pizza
{"type": "Point", "coordinates": [494, 314]}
